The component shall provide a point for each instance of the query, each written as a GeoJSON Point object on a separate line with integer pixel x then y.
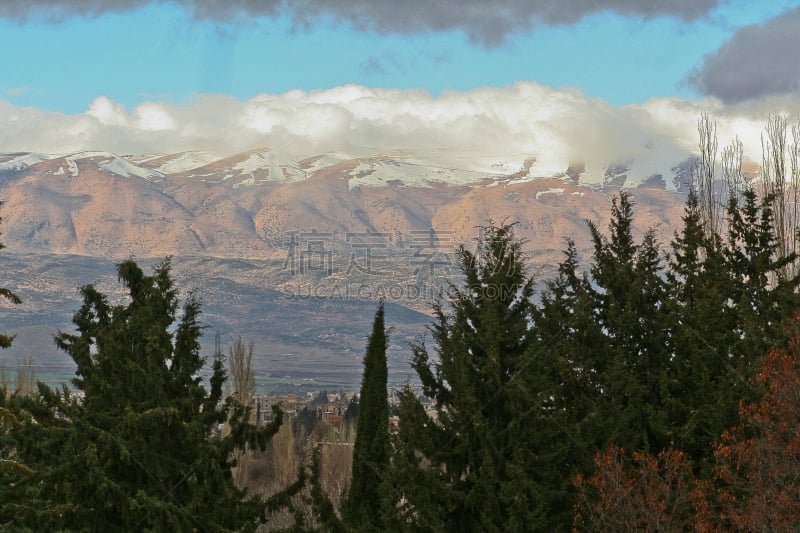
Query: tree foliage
{"type": "Point", "coordinates": [362, 508]}
{"type": "Point", "coordinates": [753, 485]}
{"type": "Point", "coordinates": [642, 492]}
{"type": "Point", "coordinates": [758, 460]}
{"type": "Point", "coordinates": [467, 469]}
{"type": "Point", "coordinates": [140, 448]}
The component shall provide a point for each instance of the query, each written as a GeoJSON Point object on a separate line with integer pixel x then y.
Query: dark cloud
{"type": "Point", "coordinates": [759, 60]}
{"type": "Point", "coordinates": [486, 22]}
{"type": "Point", "coordinates": [55, 10]}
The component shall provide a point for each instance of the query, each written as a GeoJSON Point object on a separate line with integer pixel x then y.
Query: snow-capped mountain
{"type": "Point", "coordinates": [244, 205]}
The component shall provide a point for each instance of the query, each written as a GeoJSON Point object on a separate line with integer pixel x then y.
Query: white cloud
{"type": "Point", "coordinates": [473, 129]}
{"type": "Point", "coordinates": [108, 112]}
{"type": "Point", "coordinates": [154, 117]}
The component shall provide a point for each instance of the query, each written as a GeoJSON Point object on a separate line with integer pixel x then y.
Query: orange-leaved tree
{"type": "Point", "coordinates": [642, 492]}
{"type": "Point", "coordinates": [755, 484]}
{"type": "Point", "coordinates": [758, 461]}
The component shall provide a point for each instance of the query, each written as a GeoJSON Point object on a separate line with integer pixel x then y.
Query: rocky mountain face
{"type": "Point", "coordinates": [289, 251]}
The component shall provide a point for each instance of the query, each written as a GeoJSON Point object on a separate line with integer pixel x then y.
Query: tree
{"type": "Point", "coordinates": [362, 508]}
{"type": "Point", "coordinates": [240, 366]}
{"type": "Point", "coordinates": [629, 295]}
{"type": "Point", "coordinates": [12, 471]}
{"type": "Point", "coordinates": [474, 466]}
{"type": "Point", "coordinates": [644, 492]}
{"type": "Point", "coordinates": [753, 485]}
{"type": "Point", "coordinates": [697, 393]}
{"type": "Point", "coordinates": [758, 460]}
{"type": "Point", "coordinates": [141, 450]}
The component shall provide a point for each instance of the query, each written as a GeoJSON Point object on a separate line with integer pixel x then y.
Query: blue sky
{"type": "Point", "coordinates": [138, 75]}
{"type": "Point", "coordinates": [163, 52]}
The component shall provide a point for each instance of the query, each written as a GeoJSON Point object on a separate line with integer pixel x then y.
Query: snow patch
{"type": "Point", "coordinates": [89, 155]}
{"type": "Point", "coordinates": [555, 190]}
{"type": "Point", "coordinates": [23, 161]}
{"type": "Point", "coordinates": [379, 172]}
{"type": "Point", "coordinates": [276, 169]}
{"type": "Point", "coordinates": [256, 161]}
{"type": "Point", "coordinates": [314, 164]}
{"type": "Point", "coordinates": [185, 161]}
{"type": "Point", "coordinates": [123, 167]}
{"type": "Point", "coordinates": [73, 168]}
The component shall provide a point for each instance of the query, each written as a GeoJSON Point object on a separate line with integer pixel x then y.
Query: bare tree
{"type": "Point", "coordinates": [336, 460]}
{"type": "Point", "coordinates": [704, 176]}
{"type": "Point", "coordinates": [242, 376]}
{"type": "Point", "coordinates": [240, 367]}
{"type": "Point", "coordinates": [26, 377]}
{"type": "Point", "coordinates": [780, 180]}
{"type": "Point", "coordinates": [732, 175]}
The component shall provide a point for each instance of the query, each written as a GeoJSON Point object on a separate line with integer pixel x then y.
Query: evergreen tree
{"type": "Point", "coordinates": [142, 449]}
{"type": "Point", "coordinates": [362, 508]}
{"type": "Point", "coordinates": [473, 468]}
{"type": "Point", "coordinates": [630, 296]}
{"type": "Point", "coordinates": [703, 336]}
{"type": "Point", "coordinates": [761, 296]}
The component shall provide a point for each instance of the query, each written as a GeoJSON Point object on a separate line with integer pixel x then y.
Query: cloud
{"type": "Point", "coordinates": [759, 60]}
{"type": "Point", "coordinates": [55, 10]}
{"type": "Point", "coordinates": [488, 24]}
{"type": "Point", "coordinates": [482, 129]}
{"type": "Point", "coordinates": [16, 91]}
{"type": "Point", "coordinates": [107, 112]}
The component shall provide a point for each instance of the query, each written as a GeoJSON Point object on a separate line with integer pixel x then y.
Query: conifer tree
{"type": "Point", "coordinates": [572, 341]}
{"type": "Point", "coordinates": [703, 336]}
{"type": "Point", "coordinates": [141, 450]}
{"type": "Point", "coordinates": [629, 303]}
{"type": "Point", "coordinates": [473, 467]}
{"type": "Point", "coordinates": [362, 508]}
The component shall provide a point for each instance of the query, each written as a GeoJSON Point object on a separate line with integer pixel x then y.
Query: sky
{"type": "Point", "coordinates": [568, 79]}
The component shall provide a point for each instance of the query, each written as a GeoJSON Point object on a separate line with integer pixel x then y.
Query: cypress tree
{"type": "Point", "coordinates": [362, 508]}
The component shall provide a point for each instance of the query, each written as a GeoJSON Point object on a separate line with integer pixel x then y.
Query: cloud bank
{"type": "Point", "coordinates": [471, 129]}
{"type": "Point", "coordinates": [759, 60]}
{"type": "Point", "coordinates": [485, 23]}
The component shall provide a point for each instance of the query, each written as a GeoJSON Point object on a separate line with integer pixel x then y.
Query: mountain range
{"type": "Point", "coordinates": [287, 251]}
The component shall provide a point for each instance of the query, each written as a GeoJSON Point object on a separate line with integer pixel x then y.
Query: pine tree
{"type": "Point", "coordinates": [704, 335]}
{"type": "Point", "coordinates": [141, 450]}
{"type": "Point", "coordinates": [474, 467]}
{"type": "Point", "coordinates": [362, 508]}
{"type": "Point", "coordinates": [630, 298]}
{"type": "Point", "coordinates": [572, 341]}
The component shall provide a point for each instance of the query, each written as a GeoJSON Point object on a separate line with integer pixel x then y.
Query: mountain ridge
{"type": "Point", "coordinates": [243, 205]}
